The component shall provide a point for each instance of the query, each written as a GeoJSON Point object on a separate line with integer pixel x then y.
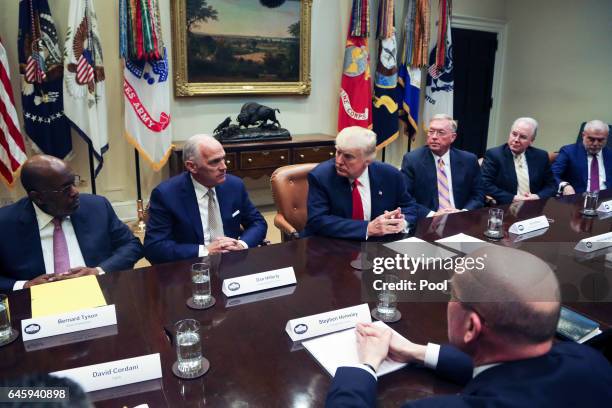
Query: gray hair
{"type": "Point", "coordinates": [530, 121]}
{"type": "Point", "coordinates": [191, 148]}
{"type": "Point", "coordinates": [444, 116]}
{"type": "Point", "coordinates": [594, 125]}
{"type": "Point", "coordinates": [356, 137]}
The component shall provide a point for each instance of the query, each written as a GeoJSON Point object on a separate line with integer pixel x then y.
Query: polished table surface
{"type": "Point", "coordinates": [253, 362]}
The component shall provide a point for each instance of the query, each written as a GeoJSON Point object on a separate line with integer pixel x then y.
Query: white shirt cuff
{"type": "Point", "coordinates": [19, 285]}
{"type": "Point", "coordinates": [363, 367]}
{"type": "Point", "coordinates": [202, 251]}
{"type": "Point", "coordinates": [100, 271]}
{"type": "Point", "coordinates": [432, 352]}
{"type": "Point", "coordinates": [244, 244]}
{"type": "Point", "coordinates": [430, 214]}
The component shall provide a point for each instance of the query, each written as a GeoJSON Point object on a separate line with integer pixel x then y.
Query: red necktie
{"type": "Point", "coordinates": [61, 260]}
{"type": "Point", "coordinates": [594, 174]}
{"type": "Point", "coordinates": [357, 204]}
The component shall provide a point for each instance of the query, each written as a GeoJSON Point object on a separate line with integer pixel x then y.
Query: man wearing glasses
{"type": "Point", "coordinates": [443, 179]}
{"type": "Point", "coordinates": [585, 166]}
{"type": "Point", "coordinates": [501, 324]}
{"type": "Point", "coordinates": [56, 233]}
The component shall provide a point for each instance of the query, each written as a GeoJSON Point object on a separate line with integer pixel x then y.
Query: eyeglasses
{"type": "Point", "coordinates": [439, 132]}
{"type": "Point", "coordinates": [66, 189]}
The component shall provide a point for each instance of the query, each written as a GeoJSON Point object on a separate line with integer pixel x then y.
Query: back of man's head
{"type": "Point", "coordinates": [516, 294]}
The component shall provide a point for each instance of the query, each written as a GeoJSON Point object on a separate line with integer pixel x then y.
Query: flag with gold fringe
{"type": "Point", "coordinates": [146, 83]}
{"type": "Point", "coordinates": [385, 107]}
{"type": "Point", "coordinates": [355, 89]}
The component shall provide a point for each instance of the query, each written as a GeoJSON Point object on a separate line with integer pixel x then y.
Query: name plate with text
{"type": "Point", "coordinates": [115, 373]}
{"type": "Point", "coordinates": [530, 225]}
{"type": "Point", "coordinates": [85, 319]}
{"type": "Point", "coordinates": [605, 207]}
{"type": "Point", "coordinates": [594, 243]}
{"type": "Point", "coordinates": [328, 322]}
{"type": "Point", "coordinates": [258, 281]}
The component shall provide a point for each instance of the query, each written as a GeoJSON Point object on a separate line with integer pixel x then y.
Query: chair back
{"type": "Point", "coordinates": [290, 193]}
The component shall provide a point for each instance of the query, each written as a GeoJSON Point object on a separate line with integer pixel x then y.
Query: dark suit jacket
{"type": "Point", "coordinates": [499, 175]}
{"type": "Point", "coordinates": [571, 166]}
{"type": "Point", "coordinates": [420, 172]}
{"type": "Point", "coordinates": [174, 230]}
{"type": "Point", "coordinates": [330, 205]}
{"type": "Point", "coordinates": [104, 240]}
{"type": "Point", "coordinates": [570, 375]}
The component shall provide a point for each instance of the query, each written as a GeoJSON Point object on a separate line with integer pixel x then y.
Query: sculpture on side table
{"type": "Point", "coordinates": [252, 126]}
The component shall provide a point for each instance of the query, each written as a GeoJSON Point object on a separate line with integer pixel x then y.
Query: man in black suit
{"type": "Point", "coordinates": [503, 318]}
{"type": "Point", "coordinates": [443, 179]}
{"type": "Point", "coordinates": [56, 233]}
{"type": "Point", "coordinates": [517, 171]}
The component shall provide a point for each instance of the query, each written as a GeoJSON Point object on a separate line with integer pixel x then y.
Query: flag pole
{"type": "Point", "coordinates": [92, 172]}
{"type": "Point", "coordinates": [140, 226]}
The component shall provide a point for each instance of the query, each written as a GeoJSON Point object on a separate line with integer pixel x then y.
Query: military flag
{"type": "Point", "coordinates": [355, 89]}
{"type": "Point", "coordinates": [84, 93]}
{"type": "Point", "coordinates": [12, 147]}
{"type": "Point", "coordinates": [440, 80]}
{"type": "Point", "coordinates": [41, 69]}
{"type": "Point", "coordinates": [146, 85]}
{"type": "Point", "coordinates": [385, 107]}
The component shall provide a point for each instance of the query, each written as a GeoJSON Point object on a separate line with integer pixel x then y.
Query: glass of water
{"type": "Point", "coordinates": [188, 347]}
{"type": "Point", "coordinates": [200, 282]}
{"type": "Point", "coordinates": [386, 306]}
{"type": "Point", "coordinates": [590, 203]}
{"type": "Point", "coordinates": [5, 319]}
{"type": "Point", "coordinates": [495, 223]}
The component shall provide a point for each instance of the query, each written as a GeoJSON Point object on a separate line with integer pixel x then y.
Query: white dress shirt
{"type": "Point", "coordinates": [602, 171]}
{"type": "Point", "coordinates": [201, 193]}
{"type": "Point", "coordinates": [45, 228]}
{"type": "Point", "coordinates": [364, 192]}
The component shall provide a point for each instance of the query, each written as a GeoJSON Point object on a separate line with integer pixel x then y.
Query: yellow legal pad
{"type": "Point", "coordinates": [66, 296]}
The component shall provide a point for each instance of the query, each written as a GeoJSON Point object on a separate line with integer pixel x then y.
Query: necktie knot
{"type": "Point", "coordinates": [356, 183]}
{"type": "Point", "coordinates": [57, 222]}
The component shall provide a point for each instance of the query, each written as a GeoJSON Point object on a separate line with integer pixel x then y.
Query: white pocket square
{"type": "Point", "coordinates": [235, 213]}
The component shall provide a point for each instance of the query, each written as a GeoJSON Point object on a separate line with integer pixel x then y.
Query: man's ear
{"type": "Point", "coordinates": [473, 328]}
{"type": "Point", "coordinates": [190, 166]}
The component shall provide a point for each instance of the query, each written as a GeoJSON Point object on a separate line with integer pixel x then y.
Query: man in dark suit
{"type": "Point", "coordinates": [443, 179]}
{"type": "Point", "coordinates": [503, 318]}
{"type": "Point", "coordinates": [355, 197]}
{"type": "Point", "coordinates": [56, 233]}
{"type": "Point", "coordinates": [203, 210]}
{"type": "Point", "coordinates": [517, 171]}
{"type": "Point", "coordinates": [585, 166]}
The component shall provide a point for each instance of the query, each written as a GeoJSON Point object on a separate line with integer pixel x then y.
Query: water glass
{"type": "Point", "coordinates": [188, 347]}
{"type": "Point", "coordinates": [387, 303]}
{"type": "Point", "coordinates": [5, 318]}
{"type": "Point", "coordinates": [495, 222]}
{"type": "Point", "coordinates": [200, 282]}
{"type": "Point", "coordinates": [590, 202]}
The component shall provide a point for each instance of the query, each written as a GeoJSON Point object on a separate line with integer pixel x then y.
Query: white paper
{"type": "Point", "coordinates": [258, 281]}
{"type": "Point", "coordinates": [532, 224]}
{"type": "Point", "coordinates": [340, 349]}
{"type": "Point", "coordinates": [328, 322]}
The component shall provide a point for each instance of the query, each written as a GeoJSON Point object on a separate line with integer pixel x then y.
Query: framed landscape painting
{"type": "Point", "coordinates": [226, 47]}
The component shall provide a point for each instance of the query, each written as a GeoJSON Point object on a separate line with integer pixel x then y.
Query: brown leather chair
{"type": "Point", "coordinates": [290, 193]}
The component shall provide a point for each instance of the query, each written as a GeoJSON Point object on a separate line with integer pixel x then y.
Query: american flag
{"type": "Point", "coordinates": [85, 72]}
{"type": "Point", "coordinates": [34, 69]}
{"type": "Point", "coordinates": [12, 147]}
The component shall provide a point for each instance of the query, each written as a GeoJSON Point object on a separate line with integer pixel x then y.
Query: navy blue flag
{"type": "Point", "coordinates": [41, 68]}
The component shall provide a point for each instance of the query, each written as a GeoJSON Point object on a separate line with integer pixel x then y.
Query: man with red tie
{"type": "Point", "coordinates": [56, 233]}
{"type": "Point", "coordinates": [586, 165]}
{"type": "Point", "coordinates": [355, 197]}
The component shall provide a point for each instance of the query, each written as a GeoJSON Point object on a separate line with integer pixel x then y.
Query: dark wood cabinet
{"type": "Point", "coordinates": [262, 158]}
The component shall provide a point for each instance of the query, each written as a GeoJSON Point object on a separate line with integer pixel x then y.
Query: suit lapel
{"type": "Point", "coordinates": [375, 187]}
{"type": "Point", "coordinates": [457, 169]}
{"type": "Point", "coordinates": [30, 233]}
{"type": "Point", "coordinates": [224, 205]}
{"type": "Point", "coordinates": [431, 175]}
{"type": "Point", "coordinates": [82, 229]}
{"type": "Point", "coordinates": [509, 164]}
{"type": "Point", "coordinates": [607, 163]}
{"type": "Point", "coordinates": [345, 198]}
{"type": "Point", "coordinates": [584, 165]}
{"type": "Point", "coordinates": [190, 203]}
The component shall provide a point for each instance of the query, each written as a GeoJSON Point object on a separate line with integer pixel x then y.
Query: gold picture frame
{"type": "Point", "coordinates": [246, 52]}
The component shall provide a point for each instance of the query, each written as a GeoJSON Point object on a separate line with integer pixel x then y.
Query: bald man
{"type": "Point", "coordinates": [56, 233]}
{"type": "Point", "coordinates": [202, 211]}
{"type": "Point", "coordinates": [503, 319]}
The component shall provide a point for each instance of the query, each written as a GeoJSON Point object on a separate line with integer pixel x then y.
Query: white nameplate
{"type": "Point", "coordinates": [328, 322]}
{"type": "Point", "coordinates": [258, 281]}
{"type": "Point", "coordinates": [594, 243]}
{"type": "Point", "coordinates": [85, 319]}
{"type": "Point", "coordinates": [605, 207]}
{"type": "Point", "coordinates": [532, 224]}
{"type": "Point", "coordinates": [115, 373]}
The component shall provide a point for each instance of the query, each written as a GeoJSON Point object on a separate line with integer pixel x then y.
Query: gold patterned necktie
{"type": "Point", "coordinates": [522, 176]}
{"type": "Point", "coordinates": [215, 225]}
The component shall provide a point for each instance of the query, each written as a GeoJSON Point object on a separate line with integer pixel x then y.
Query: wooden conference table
{"type": "Point", "coordinates": [253, 362]}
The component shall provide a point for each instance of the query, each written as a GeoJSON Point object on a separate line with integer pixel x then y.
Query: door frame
{"type": "Point", "coordinates": [499, 27]}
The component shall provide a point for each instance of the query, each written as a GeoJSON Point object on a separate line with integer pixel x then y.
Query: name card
{"type": "Point", "coordinates": [328, 322]}
{"type": "Point", "coordinates": [85, 319]}
{"type": "Point", "coordinates": [115, 373]}
{"type": "Point", "coordinates": [594, 243]}
{"type": "Point", "coordinates": [532, 224]}
{"type": "Point", "coordinates": [258, 281]}
{"type": "Point", "coordinates": [605, 207]}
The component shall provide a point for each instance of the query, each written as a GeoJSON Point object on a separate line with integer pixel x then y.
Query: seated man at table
{"type": "Point", "coordinates": [56, 233]}
{"type": "Point", "coordinates": [443, 179]}
{"type": "Point", "coordinates": [517, 171]}
{"type": "Point", "coordinates": [355, 197]}
{"type": "Point", "coordinates": [586, 165]}
{"type": "Point", "coordinates": [203, 210]}
{"type": "Point", "coordinates": [503, 318]}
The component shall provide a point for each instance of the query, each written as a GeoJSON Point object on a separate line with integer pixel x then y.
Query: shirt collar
{"type": "Point", "coordinates": [363, 179]}
{"type": "Point", "coordinates": [42, 217]}
{"type": "Point", "coordinates": [480, 369]}
{"type": "Point", "coordinates": [200, 190]}
{"type": "Point", "coordinates": [445, 157]}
